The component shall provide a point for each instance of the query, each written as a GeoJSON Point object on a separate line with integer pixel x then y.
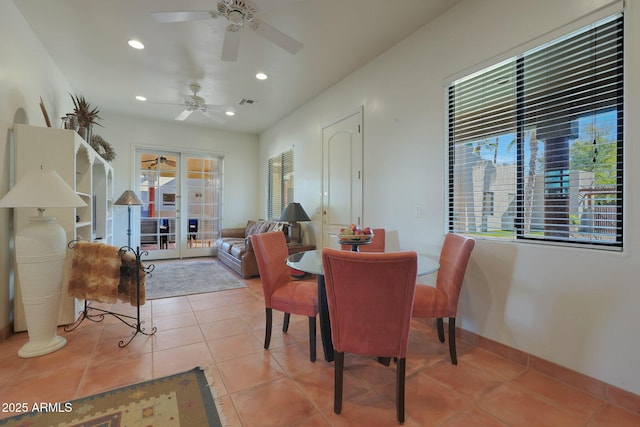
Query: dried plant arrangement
{"type": "Point", "coordinates": [87, 115]}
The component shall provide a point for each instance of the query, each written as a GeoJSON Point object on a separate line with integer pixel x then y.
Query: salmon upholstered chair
{"type": "Point", "coordinates": [376, 245]}
{"type": "Point", "coordinates": [370, 298]}
{"type": "Point", "coordinates": [280, 293]}
{"type": "Point", "coordinates": [442, 300]}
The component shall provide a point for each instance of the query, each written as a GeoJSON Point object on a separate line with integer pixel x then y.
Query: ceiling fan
{"type": "Point", "coordinates": [197, 103]}
{"type": "Point", "coordinates": [157, 160]}
{"type": "Point", "coordinates": [241, 14]}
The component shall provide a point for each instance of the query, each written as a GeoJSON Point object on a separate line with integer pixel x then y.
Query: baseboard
{"type": "Point", "coordinates": [591, 386]}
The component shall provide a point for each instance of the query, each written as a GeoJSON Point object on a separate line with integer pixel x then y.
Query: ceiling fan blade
{"type": "Point", "coordinates": [169, 163]}
{"type": "Point", "coordinates": [184, 115]}
{"type": "Point", "coordinates": [267, 6]}
{"type": "Point", "coordinates": [213, 117]}
{"type": "Point", "coordinates": [231, 44]}
{"type": "Point", "coordinates": [276, 36]}
{"type": "Point", "coordinates": [167, 17]}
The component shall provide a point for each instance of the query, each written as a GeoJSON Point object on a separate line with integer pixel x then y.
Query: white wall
{"type": "Point", "coordinates": [574, 307]}
{"type": "Point", "coordinates": [27, 73]}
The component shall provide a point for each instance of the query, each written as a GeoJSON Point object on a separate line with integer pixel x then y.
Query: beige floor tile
{"type": "Point", "coordinates": [224, 332]}
{"type": "Point", "coordinates": [271, 404]}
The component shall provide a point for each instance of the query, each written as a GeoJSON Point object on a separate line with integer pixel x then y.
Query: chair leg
{"type": "Point", "coordinates": [440, 325]}
{"type": "Point", "coordinates": [400, 377]}
{"type": "Point", "coordinates": [285, 323]}
{"type": "Point", "coordinates": [452, 340]}
{"type": "Point", "coordinates": [338, 357]}
{"type": "Point", "coordinates": [267, 328]}
{"type": "Point", "coordinates": [312, 338]}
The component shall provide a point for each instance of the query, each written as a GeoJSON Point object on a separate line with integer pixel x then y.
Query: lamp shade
{"type": "Point", "coordinates": [129, 197]}
{"type": "Point", "coordinates": [40, 188]}
{"type": "Point", "coordinates": [294, 213]}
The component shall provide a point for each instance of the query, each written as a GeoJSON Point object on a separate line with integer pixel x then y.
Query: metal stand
{"type": "Point", "coordinates": [132, 322]}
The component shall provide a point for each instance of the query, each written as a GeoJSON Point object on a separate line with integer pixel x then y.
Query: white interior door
{"type": "Point", "coordinates": [342, 177]}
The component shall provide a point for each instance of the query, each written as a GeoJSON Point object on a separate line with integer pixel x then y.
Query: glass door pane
{"type": "Point", "coordinates": [203, 202]}
{"type": "Point", "coordinates": [159, 216]}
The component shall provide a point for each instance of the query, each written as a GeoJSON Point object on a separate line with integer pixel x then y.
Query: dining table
{"type": "Point", "coordinates": [311, 262]}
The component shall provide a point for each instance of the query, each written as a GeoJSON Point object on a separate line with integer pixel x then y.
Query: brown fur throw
{"type": "Point", "coordinates": [128, 283]}
{"type": "Point", "coordinates": [98, 273]}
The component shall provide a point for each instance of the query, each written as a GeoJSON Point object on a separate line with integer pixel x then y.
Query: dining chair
{"type": "Point", "coordinates": [442, 300]}
{"type": "Point", "coordinates": [280, 292]}
{"type": "Point", "coordinates": [376, 245]}
{"type": "Point", "coordinates": [370, 297]}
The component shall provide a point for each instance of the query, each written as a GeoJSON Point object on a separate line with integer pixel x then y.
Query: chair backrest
{"type": "Point", "coordinates": [377, 243]}
{"type": "Point", "coordinates": [454, 258]}
{"type": "Point", "coordinates": [370, 298]}
{"type": "Point", "coordinates": [271, 253]}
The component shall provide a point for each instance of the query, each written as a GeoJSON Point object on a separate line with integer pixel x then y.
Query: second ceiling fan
{"type": "Point", "coordinates": [241, 14]}
{"type": "Point", "coordinates": [197, 103]}
{"type": "Point", "coordinates": [159, 160]}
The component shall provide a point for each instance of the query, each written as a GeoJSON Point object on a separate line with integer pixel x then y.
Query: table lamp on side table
{"type": "Point", "coordinates": [41, 248]}
{"type": "Point", "coordinates": [128, 198]}
{"type": "Point", "coordinates": [294, 214]}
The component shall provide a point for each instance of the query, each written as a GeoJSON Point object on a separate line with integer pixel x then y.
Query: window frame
{"type": "Point", "coordinates": [280, 181]}
{"type": "Point", "coordinates": [519, 113]}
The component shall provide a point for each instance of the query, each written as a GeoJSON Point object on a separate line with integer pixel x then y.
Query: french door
{"type": "Point", "coordinates": [182, 193]}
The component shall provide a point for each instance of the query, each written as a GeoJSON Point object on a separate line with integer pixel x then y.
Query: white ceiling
{"type": "Point", "coordinates": [88, 41]}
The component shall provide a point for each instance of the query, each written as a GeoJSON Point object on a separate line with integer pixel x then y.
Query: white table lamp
{"type": "Point", "coordinates": [41, 248]}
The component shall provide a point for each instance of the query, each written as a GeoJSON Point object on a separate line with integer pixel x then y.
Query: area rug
{"type": "Point", "coordinates": [178, 400]}
{"type": "Point", "coordinates": [180, 277]}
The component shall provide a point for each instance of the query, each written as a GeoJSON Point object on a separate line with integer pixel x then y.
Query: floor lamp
{"type": "Point", "coordinates": [41, 248]}
{"type": "Point", "coordinates": [128, 198]}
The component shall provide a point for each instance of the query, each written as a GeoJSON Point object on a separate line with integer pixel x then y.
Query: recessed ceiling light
{"type": "Point", "coordinates": [230, 113]}
{"type": "Point", "coordinates": [261, 76]}
{"type": "Point", "coordinates": [141, 98]}
{"type": "Point", "coordinates": [136, 44]}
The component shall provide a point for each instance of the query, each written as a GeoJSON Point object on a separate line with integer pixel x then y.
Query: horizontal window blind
{"type": "Point", "coordinates": [535, 143]}
{"type": "Point", "coordinates": [280, 171]}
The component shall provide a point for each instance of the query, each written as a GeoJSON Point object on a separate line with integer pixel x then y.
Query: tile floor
{"type": "Point", "coordinates": [281, 387]}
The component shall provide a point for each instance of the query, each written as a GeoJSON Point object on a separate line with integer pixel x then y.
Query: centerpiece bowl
{"type": "Point", "coordinates": [349, 239]}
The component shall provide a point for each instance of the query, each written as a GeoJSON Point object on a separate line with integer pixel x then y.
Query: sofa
{"type": "Point", "coordinates": [234, 245]}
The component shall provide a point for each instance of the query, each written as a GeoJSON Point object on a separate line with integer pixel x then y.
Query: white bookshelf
{"type": "Point", "coordinates": [64, 151]}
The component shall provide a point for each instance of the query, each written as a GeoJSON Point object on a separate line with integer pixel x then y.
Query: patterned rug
{"type": "Point", "coordinates": [179, 277]}
{"type": "Point", "coordinates": [178, 400]}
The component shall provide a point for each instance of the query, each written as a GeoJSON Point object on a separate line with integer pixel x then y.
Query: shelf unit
{"type": "Point", "coordinates": [64, 151]}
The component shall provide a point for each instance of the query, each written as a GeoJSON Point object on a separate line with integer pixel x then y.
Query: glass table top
{"type": "Point", "coordinates": [311, 262]}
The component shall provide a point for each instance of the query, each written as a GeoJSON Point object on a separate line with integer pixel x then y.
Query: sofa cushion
{"type": "Point", "coordinates": [238, 249]}
{"type": "Point", "coordinates": [250, 228]}
{"type": "Point", "coordinates": [225, 244]}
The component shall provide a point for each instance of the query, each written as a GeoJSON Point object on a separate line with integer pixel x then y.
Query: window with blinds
{"type": "Point", "coordinates": [280, 171]}
{"type": "Point", "coordinates": [535, 142]}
